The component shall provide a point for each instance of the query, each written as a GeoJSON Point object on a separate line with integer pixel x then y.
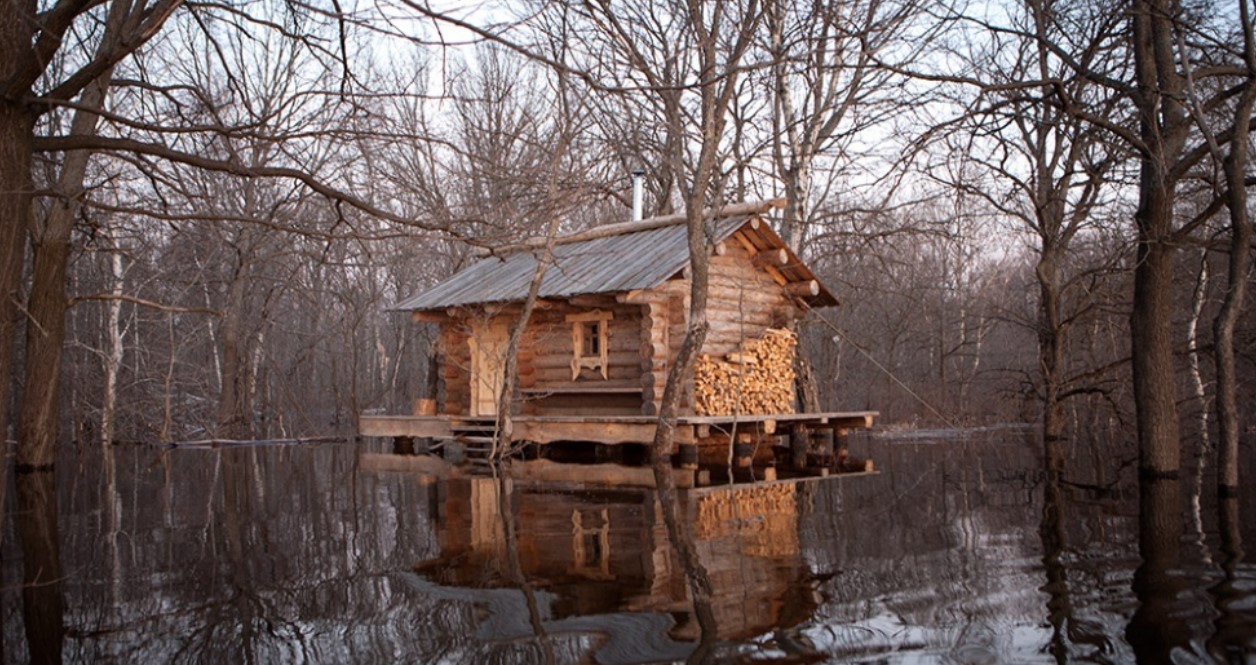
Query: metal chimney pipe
{"type": "Point", "coordinates": [638, 193]}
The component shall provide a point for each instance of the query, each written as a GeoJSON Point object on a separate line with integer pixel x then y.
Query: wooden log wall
{"type": "Point", "coordinates": [746, 365]}
{"type": "Point", "coordinates": [546, 352]}
{"type": "Point", "coordinates": [655, 353]}
{"type": "Point", "coordinates": [677, 321]}
{"type": "Point", "coordinates": [453, 390]}
{"type": "Point", "coordinates": [745, 299]}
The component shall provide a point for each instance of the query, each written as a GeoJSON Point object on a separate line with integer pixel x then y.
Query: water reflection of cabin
{"type": "Point", "coordinates": [606, 553]}
{"type": "Point", "coordinates": [609, 320]}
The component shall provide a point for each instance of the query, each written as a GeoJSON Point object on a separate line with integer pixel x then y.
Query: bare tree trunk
{"type": "Point", "coordinates": [1192, 337]}
{"type": "Point", "coordinates": [1155, 396]}
{"type": "Point", "coordinates": [1156, 629]}
{"type": "Point", "coordinates": [1230, 594]}
{"type": "Point", "coordinates": [661, 460]}
{"type": "Point", "coordinates": [1163, 130]}
{"type": "Point", "coordinates": [504, 430]}
{"type": "Point", "coordinates": [1053, 532]}
{"type": "Point", "coordinates": [16, 126]}
{"type": "Point", "coordinates": [805, 379]}
{"type": "Point", "coordinates": [1051, 356]}
{"type": "Point", "coordinates": [1203, 446]}
{"type": "Point", "coordinates": [167, 395]}
{"type": "Point", "coordinates": [45, 331]}
{"type": "Point", "coordinates": [1228, 413]}
{"type": "Point", "coordinates": [16, 131]}
{"type": "Point", "coordinates": [113, 354]}
{"type": "Point", "coordinates": [234, 412]}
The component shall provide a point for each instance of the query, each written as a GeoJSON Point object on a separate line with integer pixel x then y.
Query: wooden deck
{"type": "Point", "coordinates": [611, 429]}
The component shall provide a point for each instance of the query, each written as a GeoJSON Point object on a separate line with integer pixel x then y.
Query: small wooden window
{"type": "Point", "coordinates": [590, 342]}
{"type": "Point", "coordinates": [593, 332]}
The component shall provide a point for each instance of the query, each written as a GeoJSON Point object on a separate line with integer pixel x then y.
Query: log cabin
{"type": "Point", "coordinates": [609, 319]}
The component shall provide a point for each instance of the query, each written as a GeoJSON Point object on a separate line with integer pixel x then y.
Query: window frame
{"type": "Point", "coordinates": [580, 360]}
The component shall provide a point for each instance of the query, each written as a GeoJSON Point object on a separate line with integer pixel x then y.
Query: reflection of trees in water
{"type": "Point", "coordinates": [274, 554]}
{"type": "Point", "coordinates": [966, 551]}
{"type": "Point", "coordinates": [940, 554]}
{"type": "Point", "coordinates": [296, 557]}
{"type": "Point", "coordinates": [1234, 627]}
{"type": "Point", "coordinates": [43, 602]}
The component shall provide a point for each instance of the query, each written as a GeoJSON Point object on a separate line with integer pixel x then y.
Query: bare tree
{"type": "Point", "coordinates": [830, 88]}
{"type": "Point", "coordinates": [1235, 165]}
{"type": "Point", "coordinates": [30, 89]}
{"type": "Point", "coordinates": [1048, 168]}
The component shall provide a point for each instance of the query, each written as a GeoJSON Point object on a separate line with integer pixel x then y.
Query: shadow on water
{"type": "Point", "coordinates": [962, 550]}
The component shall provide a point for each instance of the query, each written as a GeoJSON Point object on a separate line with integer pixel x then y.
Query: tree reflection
{"type": "Point", "coordinates": [43, 603]}
{"type": "Point", "coordinates": [513, 568]}
{"type": "Point", "coordinates": [1155, 630]}
{"type": "Point", "coordinates": [299, 553]}
{"type": "Point", "coordinates": [1054, 541]}
{"type": "Point", "coordinates": [1234, 636]}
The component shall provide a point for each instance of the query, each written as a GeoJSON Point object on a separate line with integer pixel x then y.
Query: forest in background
{"type": "Point", "coordinates": [224, 199]}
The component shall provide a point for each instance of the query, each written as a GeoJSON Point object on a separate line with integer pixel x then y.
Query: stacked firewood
{"type": "Point", "coordinates": [758, 379]}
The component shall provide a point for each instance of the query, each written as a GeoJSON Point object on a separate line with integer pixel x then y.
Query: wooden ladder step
{"type": "Point", "coordinates": [461, 438]}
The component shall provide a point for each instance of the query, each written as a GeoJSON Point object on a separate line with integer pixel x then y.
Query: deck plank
{"type": "Point", "coordinates": [606, 429]}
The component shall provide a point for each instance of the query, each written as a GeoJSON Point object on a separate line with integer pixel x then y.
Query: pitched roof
{"type": "Point", "coordinates": [633, 256]}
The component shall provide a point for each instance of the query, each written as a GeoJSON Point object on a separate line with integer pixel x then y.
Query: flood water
{"type": "Point", "coordinates": [958, 551]}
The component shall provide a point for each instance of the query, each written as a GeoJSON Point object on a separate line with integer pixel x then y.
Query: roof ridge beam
{"type": "Point", "coordinates": [744, 208]}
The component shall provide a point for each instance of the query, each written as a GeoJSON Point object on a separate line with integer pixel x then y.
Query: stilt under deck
{"type": "Point", "coordinates": [743, 448]}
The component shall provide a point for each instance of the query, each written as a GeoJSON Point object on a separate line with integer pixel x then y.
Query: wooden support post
{"type": "Point", "coordinates": [608, 454]}
{"type": "Point", "coordinates": [799, 441]}
{"type": "Point", "coordinates": [743, 450]}
{"type": "Point", "coordinates": [687, 456]}
{"type": "Point", "coordinates": [403, 445]}
{"type": "Point", "coordinates": [454, 452]}
{"type": "Point", "coordinates": [823, 439]}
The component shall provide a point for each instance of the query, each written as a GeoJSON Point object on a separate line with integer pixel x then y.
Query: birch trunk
{"type": "Point", "coordinates": [113, 355]}
{"type": "Point", "coordinates": [1198, 297]}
